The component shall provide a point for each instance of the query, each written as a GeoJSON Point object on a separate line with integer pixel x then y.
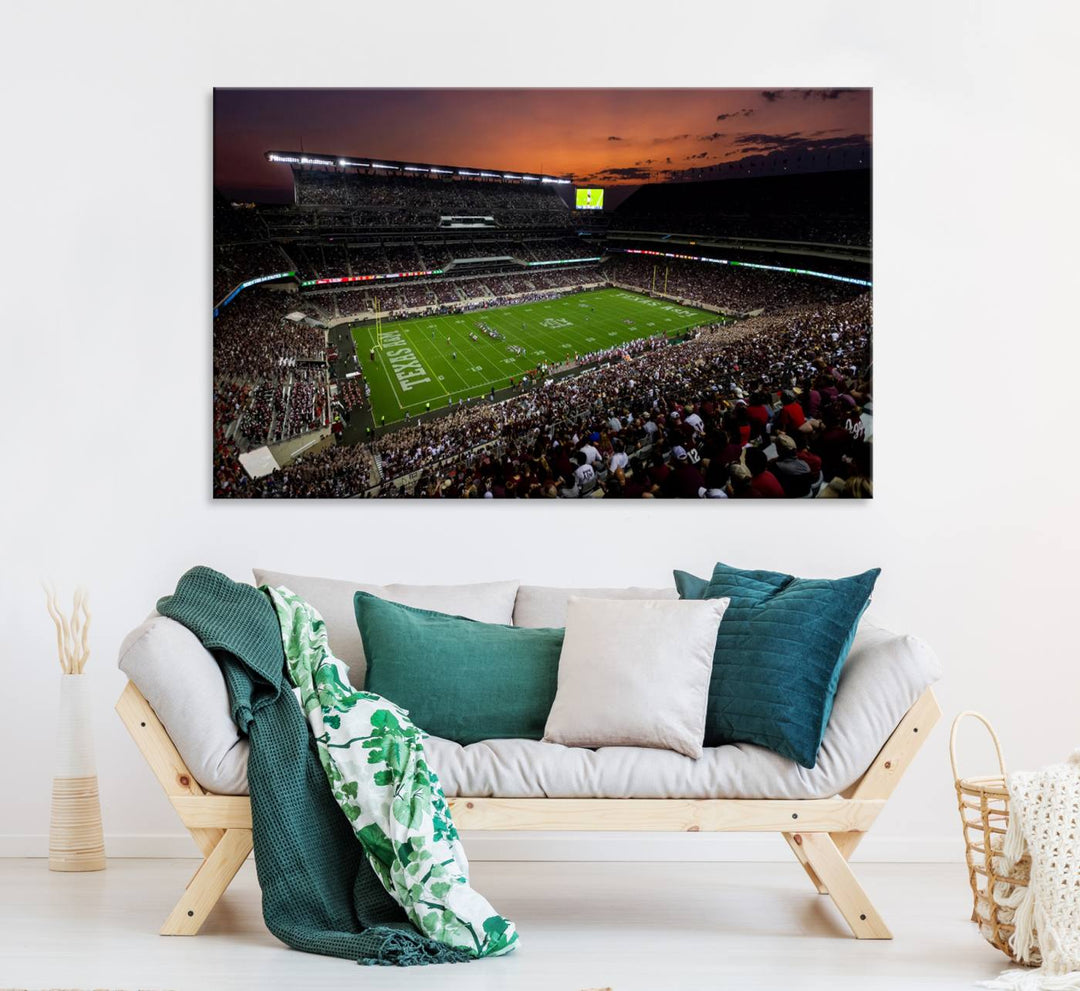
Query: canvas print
{"type": "Point", "coordinates": [542, 294]}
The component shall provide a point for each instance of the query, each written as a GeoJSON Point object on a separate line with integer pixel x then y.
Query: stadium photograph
{"type": "Point", "coordinates": [542, 294]}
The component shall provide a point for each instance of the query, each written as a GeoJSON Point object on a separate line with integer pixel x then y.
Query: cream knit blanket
{"type": "Point", "coordinates": [1044, 821]}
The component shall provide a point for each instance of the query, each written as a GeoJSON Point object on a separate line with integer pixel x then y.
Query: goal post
{"type": "Point", "coordinates": [378, 325]}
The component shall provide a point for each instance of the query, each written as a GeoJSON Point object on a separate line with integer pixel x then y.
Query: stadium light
{"type": "Point", "coordinates": [343, 161]}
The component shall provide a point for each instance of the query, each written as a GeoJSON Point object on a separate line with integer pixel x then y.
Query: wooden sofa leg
{"type": "Point", "coordinates": [209, 883]}
{"type": "Point", "coordinates": [795, 841]}
{"type": "Point", "coordinates": [829, 865]}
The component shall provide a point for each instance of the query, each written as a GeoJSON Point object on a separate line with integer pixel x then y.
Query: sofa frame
{"type": "Point", "coordinates": [822, 832]}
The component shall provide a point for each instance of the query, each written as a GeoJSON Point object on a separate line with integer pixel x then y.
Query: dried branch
{"type": "Point", "coordinates": [84, 654]}
{"type": "Point", "coordinates": [50, 604]}
{"type": "Point", "coordinates": [72, 633]}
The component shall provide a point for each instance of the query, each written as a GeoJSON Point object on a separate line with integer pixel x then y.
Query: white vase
{"type": "Point", "coordinates": [76, 840]}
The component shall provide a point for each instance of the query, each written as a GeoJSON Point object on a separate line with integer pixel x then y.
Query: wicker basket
{"type": "Point", "coordinates": [984, 813]}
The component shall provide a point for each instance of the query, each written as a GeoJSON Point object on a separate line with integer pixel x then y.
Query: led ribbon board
{"type": "Point", "coordinates": [564, 261]}
{"type": "Point", "coordinates": [368, 278]}
{"type": "Point", "coordinates": [247, 285]}
{"type": "Point", "coordinates": [768, 268]}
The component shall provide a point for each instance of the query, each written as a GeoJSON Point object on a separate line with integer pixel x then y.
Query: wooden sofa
{"type": "Point", "coordinates": [822, 833]}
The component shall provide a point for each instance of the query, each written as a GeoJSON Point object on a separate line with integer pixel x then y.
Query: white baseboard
{"type": "Point", "coordinates": [655, 847]}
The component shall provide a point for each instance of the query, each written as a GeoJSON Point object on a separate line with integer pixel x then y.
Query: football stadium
{"type": "Point", "coordinates": [408, 329]}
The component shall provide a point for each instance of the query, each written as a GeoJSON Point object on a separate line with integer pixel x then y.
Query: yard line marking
{"type": "Point", "coordinates": [449, 364]}
{"type": "Point", "coordinates": [507, 319]}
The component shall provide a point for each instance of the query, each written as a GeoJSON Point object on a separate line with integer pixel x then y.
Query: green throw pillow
{"type": "Point", "coordinates": [779, 652]}
{"type": "Point", "coordinates": [459, 679]}
{"type": "Point", "coordinates": [690, 586]}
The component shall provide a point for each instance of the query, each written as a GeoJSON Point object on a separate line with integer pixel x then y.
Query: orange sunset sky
{"type": "Point", "coordinates": [607, 137]}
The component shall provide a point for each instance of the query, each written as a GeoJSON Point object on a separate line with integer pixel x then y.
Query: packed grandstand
{"type": "Point", "coordinates": [764, 390]}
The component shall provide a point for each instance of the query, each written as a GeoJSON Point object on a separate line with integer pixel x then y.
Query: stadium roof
{"type": "Point", "coordinates": [318, 160]}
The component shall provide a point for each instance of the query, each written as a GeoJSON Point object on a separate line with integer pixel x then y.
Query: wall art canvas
{"type": "Point", "coordinates": [542, 294]}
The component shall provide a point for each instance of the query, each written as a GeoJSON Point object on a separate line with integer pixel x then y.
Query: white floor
{"type": "Point", "coordinates": [624, 926]}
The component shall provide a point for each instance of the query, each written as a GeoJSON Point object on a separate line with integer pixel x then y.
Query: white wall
{"type": "Point", "coordinates": [105, 402]}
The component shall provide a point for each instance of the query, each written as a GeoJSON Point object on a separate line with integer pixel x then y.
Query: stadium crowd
{"type": "Point", "coordinates": [399, 201]}
{"type": "Point", "coordinates": [830, 207]}
{"type": "Point", "coordinates": [234, 263]}
{"type": "Point", "coordinates": [429, 297]}
{"type": "Point", "coordinates": [770, 407]}
{"type": "Point", "coordinates": [269, 373]}
{"type": "Point", "coordinates": [252, 338]}
{"type": "Point", "coordinates": [336, 472]}
{"type": "Point", "coordinates": [733, 289]}
{"type": "Point", "coordinates": [806, 229]}
{"type": "Point", "coordinates": [777, 405]}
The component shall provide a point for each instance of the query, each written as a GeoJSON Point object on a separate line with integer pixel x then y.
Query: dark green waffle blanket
{"type": "Point", "coordinates": [319, 893]}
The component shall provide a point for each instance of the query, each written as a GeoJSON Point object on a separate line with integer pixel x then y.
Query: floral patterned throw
{"type": "Point", "coordinates": [374, 759]}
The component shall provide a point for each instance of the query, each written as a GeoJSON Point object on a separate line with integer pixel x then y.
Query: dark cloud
{"type": "Point", "coordinates": [614, 137]}
{"type": "Point", "coordinates": [794, 139]}
{"type": "Point", "coordinates": [674, 137]}
{"type": "Point", "coordinates": [772, 95]}
{"type": "Point", "coordinates": [700, 154]}
{"type": "Point", "coordinates": [826, 94]}
{"type": "Point", "coordinates": [623, 173]}
{"type": "Point", "coordinates": [712, 137]}
{"type": "Point", "coordinates": [760, 140]}
{"type": "Point", "coordinates": [744, 112]}
{"type": "Point", "coordinates": [809, 157]}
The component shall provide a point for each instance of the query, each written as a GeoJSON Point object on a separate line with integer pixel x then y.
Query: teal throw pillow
{"type": "Point", "coordinates": [690, 586]}
{"type": "Point", "coordinates": [459, 679]}
{"type": "Point", "coordinates": [779, 653]}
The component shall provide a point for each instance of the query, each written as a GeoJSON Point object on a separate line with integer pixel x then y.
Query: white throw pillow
{"type": "Point", "coordinates": [635, 673]}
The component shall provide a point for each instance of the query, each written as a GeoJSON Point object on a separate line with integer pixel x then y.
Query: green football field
{"type": "Point", "coordinates": [416, 369]}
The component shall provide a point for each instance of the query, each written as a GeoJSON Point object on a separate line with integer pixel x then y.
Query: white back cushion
{"type": "Point", "coordinates": [545, 605]}
{"type": "Point", "coordinates": [184, 685]}
{"type": "Point", "coordinates": [487, 602]}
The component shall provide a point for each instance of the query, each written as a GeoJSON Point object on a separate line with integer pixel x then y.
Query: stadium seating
{"type": "Point", "coordinates": [731, 289]}
{"type": "Point", "coordinates": [273, 379]}
{"type": "Point", "coordinates": [822, 207]}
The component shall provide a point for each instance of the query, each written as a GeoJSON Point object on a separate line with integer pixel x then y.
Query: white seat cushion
{"type": "Point", "coordinates": [885, 673]}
